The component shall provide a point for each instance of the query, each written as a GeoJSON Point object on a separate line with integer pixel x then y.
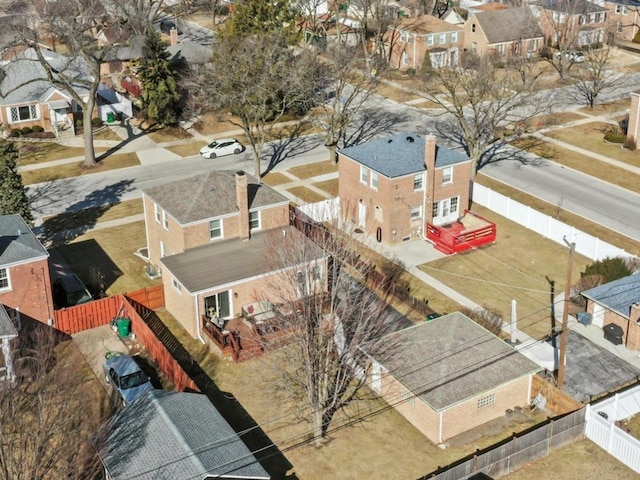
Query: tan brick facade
{"type": "Point", "coordinates": [441, 426]}
{"type": "Point", "coordinates": [385, 212]}
{"type": "Point", "coordinates": [633, 128]}
{"type": "Point", "coordinates": [631, 328]}
{"type": "Point", "coordinates": [30, 290]}
{"type": "Point", "coordinates": [624, 20]}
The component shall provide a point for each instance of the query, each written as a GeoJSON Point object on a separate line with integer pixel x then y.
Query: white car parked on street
{"type": "Point", "coordinates": [222, 147]}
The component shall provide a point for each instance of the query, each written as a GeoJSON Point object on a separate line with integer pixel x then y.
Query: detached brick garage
{"type": "Point", "coordinates": [450, 375]}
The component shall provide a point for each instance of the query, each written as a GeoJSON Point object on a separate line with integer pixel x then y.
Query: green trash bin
{"type": "Point", "coordinates": [111, 117]}
{"type": "Point", "coordinates": [124, 327]}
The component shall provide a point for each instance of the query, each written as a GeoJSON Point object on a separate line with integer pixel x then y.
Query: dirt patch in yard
{"type": "Point", "coordinates": [608, 108]}
{"type": "Point", "coordinates": [186, 149]}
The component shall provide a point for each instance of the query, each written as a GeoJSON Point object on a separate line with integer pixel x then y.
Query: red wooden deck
{"type": "Point", "coordinates": [470, 231]}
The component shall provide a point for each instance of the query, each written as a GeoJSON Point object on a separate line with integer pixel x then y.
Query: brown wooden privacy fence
{"type": "Point", "coordinates": [150, 297]}
{"type": "Point", "coordinates": [557, 401]}
{"type": "Point", "coordinates": [146, 325]}
{"type": "Point", "coordinates": [512, 453]}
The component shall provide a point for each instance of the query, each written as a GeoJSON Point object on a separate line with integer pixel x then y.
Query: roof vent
{"type": "Point", "coordinates": [410, 139]}
{"type": "Point", "coordinates": [390, 140]}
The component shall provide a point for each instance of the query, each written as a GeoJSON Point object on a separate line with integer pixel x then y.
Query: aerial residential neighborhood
{"type": "Point", "coordinates": [308, 240]}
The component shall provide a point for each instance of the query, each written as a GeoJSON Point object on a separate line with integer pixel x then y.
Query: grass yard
{"type": "Point", "coordinates": [273, 179]}
{"type": "Point", "coordinates": [515, 267]}
{"type": "Point", "coordinates": [106, 134]}
{"type": "Point", "coordinates": [109, 252]}
{"type": "Point", "coordinates": [383, 446]}
{"type": "Point", "coordinates": [577, 221]}
{"type": "Point", "coordinates": [186, 149]}
{"type": "Point", "coordinates": [590, 136]}
{"type": "Point", "coordinates": [329, 186]}
{"type": "Point", "coordinates": [552, 119]}
{"type": "Point", "coordinates": [576, 461]}
{"type": "Point", "coordinates": [604, 171]}
{"type": "Point", "coordinates": [395, 94]}
{"type": "Point", "coordinates": [75, 169]}
{"type": "Point", "coordinates": [33, 153]}
{"type": "Point", "coordinates": [168, 134]}
{"type": "Point", "coordinates": [608, 108]}
{"type": "Point", "coordinates": [91, 216]}
{"type": "Point", "coordinates": [306, 195]}
{"type": "Point", "coordinates": [212, 125]}
{"type": "Point", "coordinates": [313, 169]}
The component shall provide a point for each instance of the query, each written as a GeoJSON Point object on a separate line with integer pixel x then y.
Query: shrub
{"type": "Point", "coordinates": [37, 129]}
{"type": "Point", "coordinates": [487, 318]}
{"type": "Point", "coordinates": [96, 122]}
{"type": "Point", "coordinates": [636, 38]}
{"type": "Point", "coordinates": [15, 132]}
{"type": "Point", "coordinates": [608, 270]}
{"type": "Point", "coordinates": [613, 137]}
{"type": "Point", "coordinates": [26, 130]}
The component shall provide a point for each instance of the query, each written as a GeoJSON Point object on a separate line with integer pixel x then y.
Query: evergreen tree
{"type": "Point", "coordinates": [13, 197]}
{"type": "Point", "coordinates": [253, 17]}
{"type": "Point", "coordinates": [161, 96]}
{"type": "Point", "coordinates": [608, 269]}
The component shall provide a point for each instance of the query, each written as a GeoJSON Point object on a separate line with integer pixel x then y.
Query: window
{"type": "Point", "coordinates": [163, 250]}
{"type": "Point", "coordinates": [442, 39]}
{"type": "Point", "coordinates": [215, 229]}
{"type": "Point", "coordinates": [622, 9]}
{"type": "Point", "coordinates": [474, 47]}
{"type": "Point", "coordinates": [254, 220]}
{"type": "Point", "coordinates": [316, 273]}
{"type": "Point", "coordinates": [157, 212]}
{"type": "Point", "coordinates": [364, 174]}
{"type": "Point", "coordinates": [438, 59]}
{"type": "Point", "coordinates": [619, 27]}
{"type": "Point", "coordinates": [532, 45]}
{"type": "Point", "coordinates": [418, 180]}
{"type": "Point", "coordinates": [218, 305]}
{"type": "Point", "coordinates": [430, 40]}
{"type": "Point", "coordinates": [454, 37]}
{"type": "Point", "coordinates": [24, 114]}
{"type": "Point", "coordinates": [473, 28]}
{"type": "Point", "coordinates": [405, 58]}
{"type": "Point", "coordinates": [486, 401]}
{"type": "Point", "coordinates": [416, 213]}
{"type": "Point", "coordinates": [447, 175]}
{"type": "Point", "coordinates": [5, 283]}
{"type": "Point", "coordinates": [453, 205]}
{"type": "Point", "coordinates": [404, 36]}
{"type": "Point", "coordinates": [500, 49]}
{"type": "Point", "coordinates": [165, 220]}
{"type": "Point", "coordinates": [176, 285]}
{"type": "Point", "coordinates": [302, 286]}
{"type": "Point", "coordinates": [435, 212]}
{"type": "Point", "coordinates": [374, 180]}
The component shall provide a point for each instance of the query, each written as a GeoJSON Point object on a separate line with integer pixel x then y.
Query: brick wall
{"type": "Point", "coordinates": [627, 18]}
{"type": "Point", "coordinates": [633, 129]}
{"type": "Point", "coordinates": [631, 338]}
{"type": "Point", "coordinates": [30, 290]}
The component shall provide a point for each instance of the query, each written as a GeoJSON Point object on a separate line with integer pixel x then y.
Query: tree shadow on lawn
{"type": "Point", "coordinates": [79, 217]}
{"type": "Point", "coordinates": [131, 136]}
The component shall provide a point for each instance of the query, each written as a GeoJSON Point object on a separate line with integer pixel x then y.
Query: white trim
{"type": "Point", "coordinates": [221, 228]}
{"type": "Point", "coordinates": [8, 288]}
{"type": "Point", "coordinates": [228, 215]}
{"type": "Point", "coordinates": [259, 227]}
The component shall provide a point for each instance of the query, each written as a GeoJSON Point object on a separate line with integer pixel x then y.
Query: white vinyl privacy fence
{"type": "Point", "coordinates": [587, 245]}
{"type": "Point", "coordinates": [601, 427]}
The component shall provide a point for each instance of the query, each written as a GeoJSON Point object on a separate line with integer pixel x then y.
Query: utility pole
{"type": "Point", "coordinates": [565, 315]}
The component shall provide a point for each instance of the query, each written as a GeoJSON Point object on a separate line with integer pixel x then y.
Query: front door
{"type": "Point", "coordinates": [598, 315]}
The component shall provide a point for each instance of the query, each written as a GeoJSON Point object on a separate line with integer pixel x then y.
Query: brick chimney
{"type": "Point", "coordinates": [173, 35]}
{"type": "Point", "coordinates": [430, 149]}
{"type": "Point", "coordinates": [242, 200]}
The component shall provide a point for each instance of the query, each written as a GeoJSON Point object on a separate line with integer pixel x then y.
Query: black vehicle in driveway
{"type": "Point", "coordinates": [68, 291]}
{"type": "Point", "coordinates": [167, 25]}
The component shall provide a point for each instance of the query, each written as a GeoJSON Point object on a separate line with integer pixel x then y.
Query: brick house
{"type": "Point", "coordinates": [510, 32]}
{"type": "Point", "coordinates": [450, 375]}
{"type": "Point", "coordinates": [25, 283]}
{"type": "Point", "coordinates": [623, 18]}
{"type": "Point", "coordinates": [576, 23]}
{"type": "Point", "coordinates": [617, 303]}
{"type": "Point", "coordinates": [211, 245]}
{"type": "Point", "coordinates": [633, 125]}
{"type": "Point", "coordinates": [392, 187]}
{"type": "Point", "coordinates": [412, 38]}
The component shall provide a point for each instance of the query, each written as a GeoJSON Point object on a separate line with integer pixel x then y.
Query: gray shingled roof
{"type": "Point", "coordinates": [7, 330]}
{"type": "Point", "coordinates": [508, 25]}
{"type": "Point", "coordinates": [192, 52]}
{"type": "Point", "coordinates": [174, 436]}
{"type": "Point", "coordinates": [618, 295]}
{"type": "Point", "coordinates": [397, 155]}
{"type": "Point", "coordinates": [451, 359]}
{"type": "Point", "coordinates": [209, 195]}
{"type": "Point", "coordinates": [25, 79]}
{"type": "Point", "coordinates": [18, 244]}
{"type": "Point", "coordinates": [572, 7]}
{"type": "Point", "coordinates": [229, 261]}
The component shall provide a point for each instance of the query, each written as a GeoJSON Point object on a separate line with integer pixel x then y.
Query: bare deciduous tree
{"type": "Point", "coordinates": [265, 80]}
{"type": "Point", "coordinates": [482, 101]}
{"type": "Point", "coordinates": [46, 418]}
{"type": "Point", "coordinates": [347, 88]}
{"type": "Point", "coordinates": [594, 77]}
{"type": "Point", "coordinates": [74, 27]}
{"type": "Point", "coordinates": [322, 334]}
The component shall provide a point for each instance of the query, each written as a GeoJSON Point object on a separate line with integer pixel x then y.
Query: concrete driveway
{"type": "Point", "coordinates": [94, 344]}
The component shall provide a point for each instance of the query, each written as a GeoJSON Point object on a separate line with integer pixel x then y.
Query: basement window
{"type": "Point", "coordinates": [487, 400]}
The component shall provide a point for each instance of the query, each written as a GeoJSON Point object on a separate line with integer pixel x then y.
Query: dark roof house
{"type": "Point", "coordinates": [18, 244]}
{"type": "Point", "coordinates": [174, 436]}
{"type": "Point", "coordinates": [618, 296]}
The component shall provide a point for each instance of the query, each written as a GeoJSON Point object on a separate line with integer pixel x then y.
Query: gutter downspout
{"type": "Point", "coordinates": [424, 208]}
{"type": "Point", "coordinates": [198, 320]}
{"type": "Point", "coordinates": [440, 429]}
